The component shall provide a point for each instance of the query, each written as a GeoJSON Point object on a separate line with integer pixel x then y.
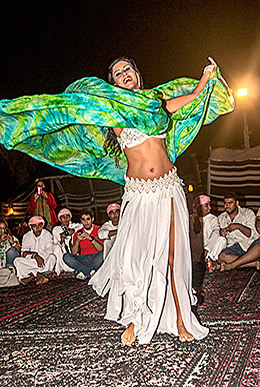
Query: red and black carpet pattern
{"type": "Point", "coordinates": [56, 335]}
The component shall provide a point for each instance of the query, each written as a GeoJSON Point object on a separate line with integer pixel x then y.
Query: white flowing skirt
{"type": "Point", "coordinates": [137, 271]}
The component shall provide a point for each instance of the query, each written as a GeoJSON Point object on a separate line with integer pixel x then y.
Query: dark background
{"type": "Point", "coordinates": [46, 45]}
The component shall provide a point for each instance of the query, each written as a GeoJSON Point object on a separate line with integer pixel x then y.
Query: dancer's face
{"type": "Point", "coordinates": [125, 76]}
{"type": "Point", "coordinates": [230, 205]}
{"type": "Point", "coordinates": [205, 209]}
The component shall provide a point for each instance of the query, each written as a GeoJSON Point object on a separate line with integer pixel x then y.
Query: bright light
{"type": "Point", "coordinates": [242, 92]}
{"type": "Point", "coordinates": [10, 210]}
{"type": "Point", "coordinates": [190, 188]}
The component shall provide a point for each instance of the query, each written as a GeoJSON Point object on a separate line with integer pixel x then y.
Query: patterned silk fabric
{"type": "Point", "coordinates": [67, 130]}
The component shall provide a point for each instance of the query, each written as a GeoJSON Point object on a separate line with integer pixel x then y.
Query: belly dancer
{"type": "Point", "coordinates": [82, 131]}
{"type": "Point", "coordinates": [148, 271]}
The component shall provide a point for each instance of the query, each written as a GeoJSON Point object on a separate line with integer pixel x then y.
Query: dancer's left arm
{"type": "Point", "coordinates": [174, 104]}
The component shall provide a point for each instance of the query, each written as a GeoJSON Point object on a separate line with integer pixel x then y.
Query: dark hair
{"type": "Point", "coordinates": [87, 211]}
{"type": "Point", "coordinates": [45, 182]}
{"type": "Point", "coordinates": [5, 223]}
{"type": "Point", "coordinates": [198, 205]}
{"type": "Point", "coordinates": [231, 195]}
{"type": "Point", "coordinates": [40, 180]}
{"type": "Point", "coordinates": [132, 64]}
{"type": "Point", "coordinates": [111, 145]}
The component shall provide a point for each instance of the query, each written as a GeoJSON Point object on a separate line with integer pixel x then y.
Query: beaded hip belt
{"type": "Point", "coordinates": [141, 185]}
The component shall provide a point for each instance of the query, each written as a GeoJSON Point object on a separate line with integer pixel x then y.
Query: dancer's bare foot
{"type": "Point", "coordinates": [128, 337]}
{"type": "Point", "coordinates": [41, 279]}
{"type": "Point", "coordinates": [184, 335]}
{"type": "Point", "coordinates": [25, 281]}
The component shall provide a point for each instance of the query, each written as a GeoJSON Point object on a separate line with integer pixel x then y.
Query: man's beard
{"type": "Point", "coordinates": [231, 212]}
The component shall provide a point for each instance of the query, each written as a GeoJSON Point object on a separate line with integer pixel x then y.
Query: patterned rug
{"type": "Point", "coordinates": [232, 295]}
{"type": "Point", "coordinates": [55, 335]}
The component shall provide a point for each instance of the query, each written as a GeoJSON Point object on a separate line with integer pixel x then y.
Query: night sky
{"type": "Point", "coordinates": [46, 45]}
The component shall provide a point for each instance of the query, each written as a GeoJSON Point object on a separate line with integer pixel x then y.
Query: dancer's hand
{"type": "Point", "coordinates": [210, 68]}
{"type": "Point", "coordinates": [176, 103]}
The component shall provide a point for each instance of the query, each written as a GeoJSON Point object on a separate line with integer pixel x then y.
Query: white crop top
{"type": "Point", "coordinates": [131, 137]}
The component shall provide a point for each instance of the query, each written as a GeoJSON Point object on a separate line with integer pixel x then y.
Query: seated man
{"type": "Point", "coordinates": [62, 238]}
{"type": "Point", "coordinates": [251, 258]}
{"type": "Point", "coordinates": [9, 245]}
{"type": "Point", "coordinates": [87, 249]}
{"type": "Point", "coordinates": [108, 231]}
{"type": "Point", "coordinates": [213, 242]}
{"type": "Point", "coordinates": [257, 221]}
{"type": "Point", "coordinates": [37, 254]}
{"type": "Point", "coordinates": [238, 226]}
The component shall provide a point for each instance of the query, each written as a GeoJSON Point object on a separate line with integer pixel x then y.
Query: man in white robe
{"type": "Point", "coordinates": [108, 230]}
{"type": "Point", "coordinates": [239, 226]}
{"type": "Point", "coordinates": [37, 254]}
{"type": "Point", "coordinates": [257, 221]}
{"type": "Point", "coordinates": [62, 238]}
{"type": "Point", "coordinates": [213, 242]}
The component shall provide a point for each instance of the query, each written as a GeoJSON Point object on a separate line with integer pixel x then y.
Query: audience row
{"type": "Point", "coordinates": [230, 240]}
{"type": "Point", "coordinates": [80, 247]}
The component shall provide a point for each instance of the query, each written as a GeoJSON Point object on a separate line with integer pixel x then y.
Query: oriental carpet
{"type": "Point", "coordinates": [55, 335]}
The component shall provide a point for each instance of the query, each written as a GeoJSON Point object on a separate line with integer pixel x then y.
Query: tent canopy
{"type": "Point", "coordinates": [69, 191]}
{"type": "Point", "coordinates": [236, 170]}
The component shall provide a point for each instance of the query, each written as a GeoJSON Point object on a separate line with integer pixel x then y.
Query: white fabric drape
{"type": "Point", "coordinates": [137, 271]}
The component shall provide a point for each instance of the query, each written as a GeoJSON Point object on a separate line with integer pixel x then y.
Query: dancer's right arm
{"type": "Point", "coordinates": [174, 104]}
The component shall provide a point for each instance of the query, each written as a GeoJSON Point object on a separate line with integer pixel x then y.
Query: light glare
{"type": "Point", "coordinates": [242, 92]}
{"type": "Point", "coordinates": [190, 188]}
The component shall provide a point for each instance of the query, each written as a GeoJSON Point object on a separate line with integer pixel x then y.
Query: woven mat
{"type": "Point", "coordinates": [56, 335]}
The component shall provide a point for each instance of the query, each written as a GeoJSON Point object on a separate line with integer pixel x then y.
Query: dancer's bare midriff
{"type": "Point", "coordinates": [148, 160]}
